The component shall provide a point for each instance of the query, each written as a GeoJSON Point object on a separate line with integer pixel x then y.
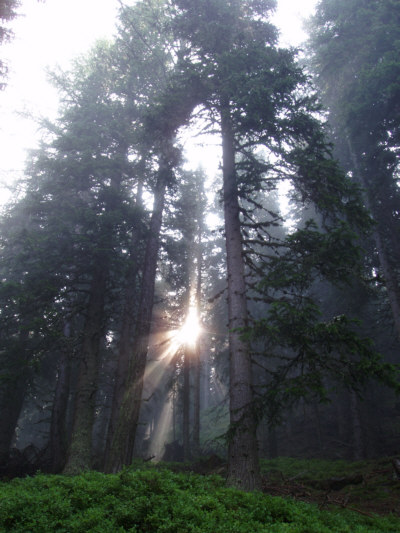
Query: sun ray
{"type": "Point", "coordinates": [164, 347]}
{"type": "Point", "coordinates": [162, 431]}
{"type": "Point", "coordinates": [189, 332]}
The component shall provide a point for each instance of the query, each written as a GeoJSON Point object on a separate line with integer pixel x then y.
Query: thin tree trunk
{"type": "Point", "coordinates": [205, 377]}
{"type": "Point", "coordinates": [189, 350]}
{"type": "Point", "coordinates": [174, 407]}
{"type": "Point", "coordinates": [187, 358]}
{"type": "Point", "coordinates": [357, 444]}
{"type": "Point", "coordinates": [197, 348]}
{"type": "Point", "coordinates": [196, 398]}
{"type": "Point", "coordinates": [243, 466]}
{"type": "Point", "coordinates": [272, 443]}
{"type": "Point", "coordinates": [186, 404]}
{"type": "Point", "coordinates": [123, 439]}
{"type": "Point", "coordinates": [318, 426]}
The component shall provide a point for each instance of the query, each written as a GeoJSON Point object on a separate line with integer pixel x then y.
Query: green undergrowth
{"type": "Point", "coordinates": [159, 500]}
{"type": "Point", "coordinates": [369, 486]}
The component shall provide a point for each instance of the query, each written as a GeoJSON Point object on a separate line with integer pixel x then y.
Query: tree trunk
{"type": "Point", "coordinates": [80, 449]}
{"type": "Point", "coordinates": [197, 348]}
{"type": "Point", "coordinates": [12, 396]}
{"type": "Point", "coordinates": [205, 376]}
{"type": "Point", "coordinates": [174, 408]}
{"type": "Point", "coordinates": [196, 398]}
{"type": "Point", "coordinates": [57, 447]}
{"type": "Point", "coordinates": [11, 402]}
{"type": "Point", "coordinates": [272, 443]}
{"type": "Point", "coordinates": [124, 351]}
{"type": "Point", "coordinates": [357, 441]}
{"type": "Point", "coordinates": [123, 439]}
{"type": "Point", "coordinates": [243, 466]}
{"type": "Point", "coordinates": [126, 335]}
{"type": "Point", "coordinates": [318, 426]}
{"type": "Point", "coordinates": [186, 404]}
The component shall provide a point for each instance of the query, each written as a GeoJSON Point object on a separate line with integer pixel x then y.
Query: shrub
{"type": "Point", "coordinates": [163, 501]}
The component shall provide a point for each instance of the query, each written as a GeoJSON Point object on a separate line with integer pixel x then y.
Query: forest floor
{"type": "Point", "coordinates": [300, 496]}
{"type": "Point", "coordinates": [365, 487]}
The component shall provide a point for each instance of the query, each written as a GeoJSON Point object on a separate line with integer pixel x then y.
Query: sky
{"type": "Point", "coordinates": [52, 33]}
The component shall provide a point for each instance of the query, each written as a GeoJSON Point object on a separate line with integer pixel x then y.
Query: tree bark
{"type": "Point", "coordinates": [243, 466]}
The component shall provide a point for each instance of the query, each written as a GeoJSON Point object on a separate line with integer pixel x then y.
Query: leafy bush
{"type": "Point", "coordinates": [163, 501]}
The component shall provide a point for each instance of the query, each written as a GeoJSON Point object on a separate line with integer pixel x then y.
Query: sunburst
{"type": "Point", "coordinates": [189, 332]}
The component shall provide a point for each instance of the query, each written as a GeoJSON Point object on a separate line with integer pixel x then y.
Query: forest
{"type": "Point", "coordinates": [153, 314]}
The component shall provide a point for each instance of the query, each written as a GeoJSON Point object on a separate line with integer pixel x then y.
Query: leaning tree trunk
{"type": "Point", "coordinates": [123, 439]}
{"type": "Point", "coordinates": [80, 449]}
{"type": "Point", "coordinates": [243, 466]}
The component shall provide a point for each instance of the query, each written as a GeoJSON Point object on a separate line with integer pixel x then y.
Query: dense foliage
{"type": "Point", "coordinates": [154, 501]}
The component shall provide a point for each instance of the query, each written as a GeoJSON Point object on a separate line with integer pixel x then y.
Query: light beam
{"type": "Point", "coordinates": [188, 334]}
